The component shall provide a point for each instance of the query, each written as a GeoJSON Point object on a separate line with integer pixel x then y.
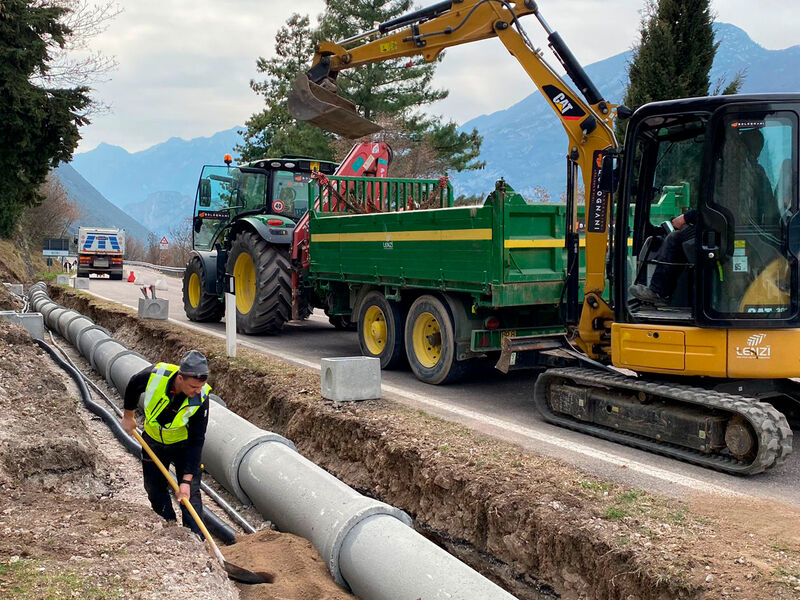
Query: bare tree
{"type": "Point", "coordinates": [75, 64]}
{"type": "Point", "coordinates": [152, 251]}
{"type": "Point", "coordinates": [54, 216]}
{"type": "Point", "coordinates": [134, 250]}
{"type": "Point", "coordinates": [180, 245]}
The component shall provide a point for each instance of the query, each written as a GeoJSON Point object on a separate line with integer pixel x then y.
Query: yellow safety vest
{"type": "Point", "coordinates": [156, 400]}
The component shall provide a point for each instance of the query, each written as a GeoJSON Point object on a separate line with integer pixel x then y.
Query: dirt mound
{"type": "Point", "coordinates": [300, 573]}
{"type": "Point", "coordinates": [537, 527]}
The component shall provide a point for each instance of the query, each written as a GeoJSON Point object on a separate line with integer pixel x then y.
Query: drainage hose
{"type": "Point", "coordinates": [217, 526]}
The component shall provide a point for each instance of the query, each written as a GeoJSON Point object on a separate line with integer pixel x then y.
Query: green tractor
{"type": "Point", "coordinates": [244, 223]}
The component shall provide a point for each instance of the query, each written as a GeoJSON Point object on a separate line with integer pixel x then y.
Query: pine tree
{"type": "Point", "coordinates": [273, 131]}
{"type": "Point", "coordinates": [394, 90]}
{"type": "Point", "coordinates": [38, 124]}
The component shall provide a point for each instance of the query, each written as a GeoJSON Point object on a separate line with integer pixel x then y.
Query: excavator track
{"type": "Point", "coordinates": [770, 429]}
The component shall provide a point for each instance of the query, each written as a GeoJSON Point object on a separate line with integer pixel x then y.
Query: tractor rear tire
{"type": "Point", "coordinates": [431, 342]}
{"type": "Point", "coordinates": [263, 277]}
{"type": "Point", "coordinates": [199, 305]}
{"type": "Point", "coordinates": [380, 330]}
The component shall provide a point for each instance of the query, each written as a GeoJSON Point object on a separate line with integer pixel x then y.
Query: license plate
{"type": "Point", "coordinates": [100, 262]}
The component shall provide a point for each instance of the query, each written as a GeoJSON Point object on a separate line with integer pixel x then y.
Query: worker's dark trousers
{"type": "Point", "coordinates": [665, 276]}
{"type": "Point", "coordinates": [158, 490]}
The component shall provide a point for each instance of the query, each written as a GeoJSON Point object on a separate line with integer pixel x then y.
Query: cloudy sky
{"type": "Point", "coordinates": [184, 67]}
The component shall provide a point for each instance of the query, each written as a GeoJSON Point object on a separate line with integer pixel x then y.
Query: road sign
{"type": "Point", "coordinates": [55, 247]}
{"type": "Point", "coordinates": [163, 244]}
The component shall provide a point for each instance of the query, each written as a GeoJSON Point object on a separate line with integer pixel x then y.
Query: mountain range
{"type": "Point", "coordinates": [96, 211]}
{"type": "Point", "coordinates": [524, 143]}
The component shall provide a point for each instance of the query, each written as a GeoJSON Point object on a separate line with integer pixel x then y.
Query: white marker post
{"type": "Point", "coordinates": [230, 315]}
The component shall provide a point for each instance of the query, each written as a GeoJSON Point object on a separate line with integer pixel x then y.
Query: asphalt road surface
{"type": "Point", "coordinates": [488, 401]}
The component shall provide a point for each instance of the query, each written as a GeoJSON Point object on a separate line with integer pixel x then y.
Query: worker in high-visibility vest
{"type": "Point", "coordinates": [175, 420]}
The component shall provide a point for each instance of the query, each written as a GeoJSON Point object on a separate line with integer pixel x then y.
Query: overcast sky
{"type": "Point", "coordinates": [184, 67]}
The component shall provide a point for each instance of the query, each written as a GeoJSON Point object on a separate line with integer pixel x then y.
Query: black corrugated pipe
{"type": "Point", "coordinates": [215, 525]}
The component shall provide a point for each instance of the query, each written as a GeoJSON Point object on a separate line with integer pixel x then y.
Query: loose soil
{"type": "Point", "coordinates": [537, 527]}
{"type": "Point", "coordinates": [74, 518]}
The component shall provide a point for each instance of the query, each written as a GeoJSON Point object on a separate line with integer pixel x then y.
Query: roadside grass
{"type": "Point", "coordinates": [37, 580]}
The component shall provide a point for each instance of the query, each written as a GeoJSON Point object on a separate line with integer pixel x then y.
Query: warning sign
{"type": "Point", "coordinates": [164, 244]}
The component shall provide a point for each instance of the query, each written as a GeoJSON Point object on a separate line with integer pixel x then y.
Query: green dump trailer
{"type": "Point", "coordinates": [437, 285]}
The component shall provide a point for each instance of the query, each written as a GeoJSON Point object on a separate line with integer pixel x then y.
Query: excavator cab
{"type": "Point", "coordinates": [734, 261]}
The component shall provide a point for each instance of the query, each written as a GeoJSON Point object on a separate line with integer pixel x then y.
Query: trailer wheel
{"type": "Point", "coordinates": [380, 330]}
{"type": "Point", "coordinates": [197, 304]}
{"type": "Point", "coordinates": [263, 284]}
{"type": "Point", "coordinates": [116, 276]}
{"type": "Point", "coordinates": [431, 342]}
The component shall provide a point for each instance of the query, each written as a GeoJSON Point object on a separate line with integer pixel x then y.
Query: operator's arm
{"type": "Point", "coordinates": [687, 218]}
{"type": "Point", "coordinates": [136, 386]}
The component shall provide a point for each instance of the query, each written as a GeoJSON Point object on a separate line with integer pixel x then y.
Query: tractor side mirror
{"type": "Point", "coordinates": [609, 174]}
{"type": "Point", "coordinates": [205, 193]}
{"type": "Point", "coordinates": [198, 224]}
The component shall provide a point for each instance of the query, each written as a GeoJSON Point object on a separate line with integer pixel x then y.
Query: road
{"type": "Point", "coordinates": [489, 402]}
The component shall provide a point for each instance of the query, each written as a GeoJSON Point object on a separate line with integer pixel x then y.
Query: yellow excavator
{"type": "Point", "coordinates": [682, 338]}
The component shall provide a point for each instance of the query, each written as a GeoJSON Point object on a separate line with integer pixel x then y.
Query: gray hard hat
{"type": "Point", "coordinates": [194, 364]}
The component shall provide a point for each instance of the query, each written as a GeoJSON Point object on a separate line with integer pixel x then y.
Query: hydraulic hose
{"type": "Point", "coordinates": [216, 525]}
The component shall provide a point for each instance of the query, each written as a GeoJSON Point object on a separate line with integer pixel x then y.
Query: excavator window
{"type": "Point", "coordinates": [755, 194]}
{"type": "Point", "coordinates": [669, 153]}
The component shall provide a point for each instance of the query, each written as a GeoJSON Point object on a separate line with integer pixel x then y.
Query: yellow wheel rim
{"type": "Point", "coordinates": [427, 339]}
{"type": "Point", "coordinates": [374, 330]}
{"type": "Point", "coordinates": [194, 290]}
{"type": "Point", "coordinates": [244, 272]}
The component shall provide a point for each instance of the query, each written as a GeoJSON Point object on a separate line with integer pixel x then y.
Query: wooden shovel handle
{"type": "Point", "coordinates": [185, 501]}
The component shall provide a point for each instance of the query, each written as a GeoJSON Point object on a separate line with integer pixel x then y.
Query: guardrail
{"type": "Point", "coordinates": [160, 268]}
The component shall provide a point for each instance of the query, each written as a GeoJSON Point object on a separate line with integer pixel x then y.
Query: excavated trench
{"type": "Point", "coordinates": [529, 523]}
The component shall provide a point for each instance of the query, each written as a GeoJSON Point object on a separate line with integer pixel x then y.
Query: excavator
{"type": "Point", "coordinates": [706, 374]}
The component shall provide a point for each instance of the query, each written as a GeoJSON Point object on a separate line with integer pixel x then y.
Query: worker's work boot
{"type": "Point", "coordinates": [646, 296]}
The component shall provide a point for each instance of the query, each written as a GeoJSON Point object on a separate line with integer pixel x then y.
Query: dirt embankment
{"type": "Point", "coordinates": [538, 528]}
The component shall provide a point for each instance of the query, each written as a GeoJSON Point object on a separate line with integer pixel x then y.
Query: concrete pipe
{"type": "Point", "coordinates": [46, 308]}
{"type": "Point", "coordinates": [76, 327]}
{"type": "Point", "coordinates": [300, 497]}
{"type": "Point", "coordinates": [52, 317]}
{"type": "Point", "coordinates": [103, 352]}
{"type": "Point", "coordinates": [123, 366]}
{"type": "Point", "coordinates": [89, 337]}
{"type": "Point", "coordinates": [229, 438]}
{"type": "Point", "coordinates": [65, 319]}
{"type": "Point", "coordinates": [382, 558]}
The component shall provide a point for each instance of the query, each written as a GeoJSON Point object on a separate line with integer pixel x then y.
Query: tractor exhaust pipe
{"type": "Point", "coordinates": [321, 106]}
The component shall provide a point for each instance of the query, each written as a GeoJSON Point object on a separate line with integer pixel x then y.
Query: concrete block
{"type": "Point", "coordinates": [62, 279]}
{"type": "Point", "coordinates": [14, 288]}
{"type": "Point", "coordinates": [33, 322]}
{"type": "Point", "coordinates": [153, 308]}
{"type": "Point", "coordinates": [81, 283]}
{"type": "Point", "coordinates": [161, 284]}
{"type": "Point", "coordinates": [349, 378]}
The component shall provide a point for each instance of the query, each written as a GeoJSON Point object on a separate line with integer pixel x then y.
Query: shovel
{"type": "Point", "coordinates": [309, 101]}
{"type": "Point", "coordinates": [234, 572]}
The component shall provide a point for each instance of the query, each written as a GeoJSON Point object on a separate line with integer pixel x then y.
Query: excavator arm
{"type": "Point", "coordinates": [587, 120]}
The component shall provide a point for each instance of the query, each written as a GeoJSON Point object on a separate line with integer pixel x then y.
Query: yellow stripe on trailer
{"type": "Point", "coordinates": [441, 235]}
{"type": "Point", "coordinates": [549, 243]}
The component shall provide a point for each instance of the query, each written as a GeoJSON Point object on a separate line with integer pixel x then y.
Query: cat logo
{"type": "Point", "coordinates": [566, 106]}
{"type": "Point", "coordinates": [755, 347]}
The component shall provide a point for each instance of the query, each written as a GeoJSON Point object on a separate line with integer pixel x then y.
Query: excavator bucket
{"type": "Point", "coordinates": [315, 104]}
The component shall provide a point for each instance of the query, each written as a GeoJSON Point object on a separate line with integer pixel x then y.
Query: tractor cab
{"type": "Point", "coordinates": [273, 191]}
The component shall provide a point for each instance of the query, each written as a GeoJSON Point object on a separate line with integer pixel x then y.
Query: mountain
{"type": "Point", "coordinates": [157, 185]}
{"type": "Point", "coordinates": [96, 211]}
{"type": "Point", "coordinates": [526, 144]}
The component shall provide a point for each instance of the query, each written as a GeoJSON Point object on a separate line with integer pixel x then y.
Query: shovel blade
{"type": "Point", "coordinates": [319, 106]}
{"type": "Point", "coordinates": [243, 575]}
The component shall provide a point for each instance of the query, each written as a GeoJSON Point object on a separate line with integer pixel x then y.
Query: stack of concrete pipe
{"type": "Point", "coordinates": [369, 546]}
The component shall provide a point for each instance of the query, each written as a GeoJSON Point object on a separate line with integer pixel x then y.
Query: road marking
{"type": "Point", "coordinates": [552, 440]}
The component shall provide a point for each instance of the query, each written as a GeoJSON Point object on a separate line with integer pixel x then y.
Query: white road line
{"type": "Point", "coordinates": [696, 485]}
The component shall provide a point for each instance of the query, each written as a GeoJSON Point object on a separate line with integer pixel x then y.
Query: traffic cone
{"type": "Point", "coordinates": [131, 277]}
